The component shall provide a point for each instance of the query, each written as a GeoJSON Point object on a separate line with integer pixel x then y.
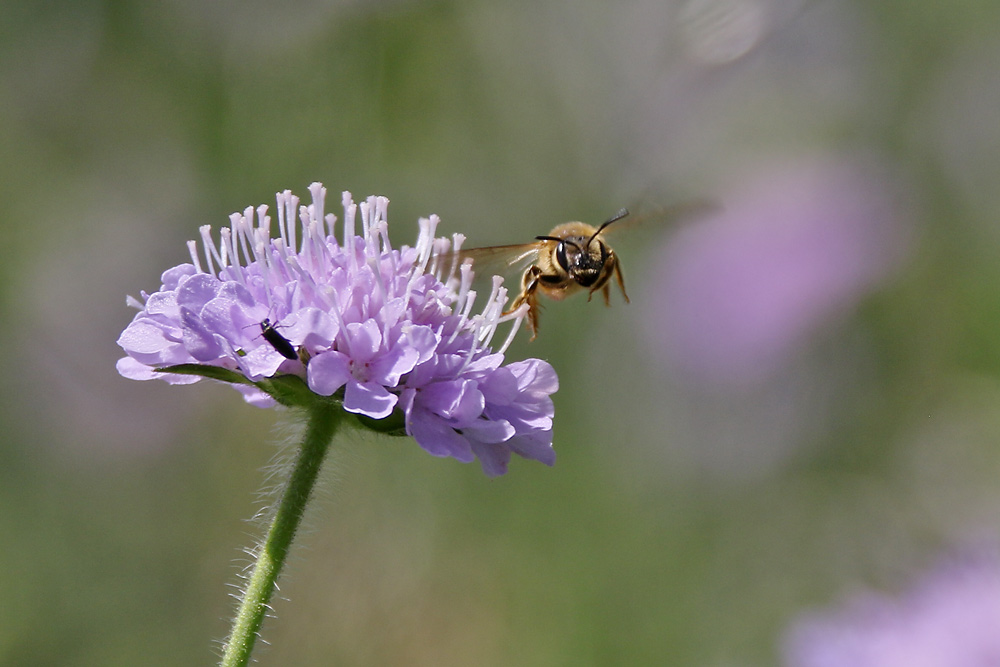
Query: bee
{"type": "Point", "coordinates": [571, 258]}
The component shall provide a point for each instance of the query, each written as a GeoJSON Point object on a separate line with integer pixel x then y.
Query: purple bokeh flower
{"type": "Point", "coordinates": [373, 326]}
{"type": "Point", "coordinates": [951, 619]}
{"type": "Point", "coordinates": [794, 245]}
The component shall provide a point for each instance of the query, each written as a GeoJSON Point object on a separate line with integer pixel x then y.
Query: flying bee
{"type": "Point", "coordinates": [573, 257]}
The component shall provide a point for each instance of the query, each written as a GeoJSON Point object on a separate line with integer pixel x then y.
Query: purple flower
{"type": "Point", "coordinates": [374, 327]}
{"type": "Point", "coordinates": [951, 619]}
{"type": "Point", "coordinates": [736, 295]}
{"type": "Point", "coordinates": [487, 410]}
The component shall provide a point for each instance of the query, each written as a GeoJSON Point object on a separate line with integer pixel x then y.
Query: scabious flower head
{"type": "Point", "coordinates": [951, 619]}
{"type": "Point", "coordinates": [382, 331]}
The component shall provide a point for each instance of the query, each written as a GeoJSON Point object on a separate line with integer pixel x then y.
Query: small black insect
{"type": "Point", "coordinates": [277, 341]}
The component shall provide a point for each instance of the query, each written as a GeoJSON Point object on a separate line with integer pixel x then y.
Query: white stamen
{"type": "Point", "coordinates": [249, 238]}
{"type": "Point", "coordinates": [318, 249]}
{"type": "Point", "coordinates": [266, 269]}
{"type": "Point", "coordinates": [230, 234]}
{"type": "Point", "coordinates": [475, 325]}
{"type": "Point", "coordinates": [316, 211]}
{"type": "Point", "coordinates": [493, 315]}
{"type": "Point", "coordinates": [247, 221]}
{"type": "Point", "coordinates": [193, 251]}
{"type": "Point", "coordinates": [275, 264]}
{"type": "Point", "coordinates": [497, 282]}
{"type": "Point", "coordinates": [442, 248]}
{"type": "Point", "coordinates": [457, 239]}
{"type": "Point", "coordinates": [305, 219]}
{"type": "Point", "coordinates": [227, 242]}
{"type": "Point", "coordinates": [350, 230]}
{"type": "Point", "coordinates": [263, 220]}
{"type": "Point", "coordinates": [382, 219]}
{"type": "Point", "coordinates": [209, 246]}
{"type": "Point", "coordinates": [364, 207]}
{"type": "Point", "coordinates": [374, 264]}
{"type": "Point", "coordinates": [383, 233]}
{"type": "Point", "coordinates": [283, 207]}
{"type": "Point", "coordinates": [247, 230]}
{"type": "Point", "coordinates": [369, 216]}
{"type": "Point", "coordinates": [350, 209]}
{"type": "Point", "coordinates": [425, 242]}
{"type": "Point", "coordinates": [466, 280]}
{"type": "Point", "coordinates": [291, 209]}
{"type": "Point", "coordinates": [463, 317]}
{"type": "Point", "coordinates": [518, 317]}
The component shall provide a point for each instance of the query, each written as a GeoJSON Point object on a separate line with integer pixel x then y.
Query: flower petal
{"type": "Point", "coordinates": [490, 430]}
{"type": "Point", "coordinates": [494, 458]}
{"type": "Point", "coordinates": [312, 326]}
{"type": "Point", "coordinates": [172, 277]}
{"type": "Point", "coordinates": [536, 446]}
{"type": "Point", "coordinates": [136, 370]}
{"type": "Point", "coordinates": [535, 375]}
{"type": "Point", "coordinates": [387, 368]}
{"type": "Point", "coordinates": [147, 343]}
{"type": "Point", "coordinates": [437, 438]}
{"type": "Point", "coordinates": [457, 400]}
{"type": "Point", "coordinates": [369, 398]}
{"type": "Point", "coordinates": [328, 372]}
{"type": "Point", "coordinates": [227, 314]}
{"type": "Point", "coordinates": [423, 340]}
{"type": "Point", "coordinates": [199, 341]}
{"type": "Point", "coordinates": [364, 340]}
{"type": "Point", "coordinates": [197, 290]}
{"type": "Point", "coordinates": [263, 361]}
{"type": "Point", "coordinates": [500, 387]}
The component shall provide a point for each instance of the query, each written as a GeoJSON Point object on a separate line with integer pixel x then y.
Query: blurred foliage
{"type": "Point", "coordinates": [127, 125]}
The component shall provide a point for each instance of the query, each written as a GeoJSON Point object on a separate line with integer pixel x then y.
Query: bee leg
{"type": "Point", "coordinates": [620, 279]}
{"type": "Point", "coordinates": [604, 291]}
{"type": "Point", "coordinates": [529, 285]}
{"type": "Point", "coordinates": [533, 316]}
{"type": "Point", "coordinates": [529, 288]}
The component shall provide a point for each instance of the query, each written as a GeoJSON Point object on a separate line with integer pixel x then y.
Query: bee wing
{"type": "Point", "coordinates": [664, 215]}
{"type": "Point", "coordinates": [502, 260]}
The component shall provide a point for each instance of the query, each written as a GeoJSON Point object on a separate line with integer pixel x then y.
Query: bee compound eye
{"type": "Point", "coordinates": [561, 256]}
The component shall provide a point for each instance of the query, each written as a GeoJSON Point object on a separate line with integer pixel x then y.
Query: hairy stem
{"type": "Point", "coordinates": [322, 424]}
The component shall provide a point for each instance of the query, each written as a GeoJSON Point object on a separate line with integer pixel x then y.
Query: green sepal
{"type": "Point", "coordinates": [292, 391]}
{"type": "Point", "coordinates": [211, 372]}
{"type": "Point", "coordinates": [394, 424]}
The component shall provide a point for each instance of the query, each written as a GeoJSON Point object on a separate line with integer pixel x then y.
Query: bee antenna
{"type": "Point", "coordinates": [622, 212]}
{"type": "Point", "coordinates": [558, 240]}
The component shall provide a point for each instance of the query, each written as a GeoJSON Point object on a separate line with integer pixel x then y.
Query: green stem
{"type": "Point", "coordinates": [321, 426]}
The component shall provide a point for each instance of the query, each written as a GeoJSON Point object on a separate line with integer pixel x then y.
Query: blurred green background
{"type": "Point", "coordinates": [721, 466]}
